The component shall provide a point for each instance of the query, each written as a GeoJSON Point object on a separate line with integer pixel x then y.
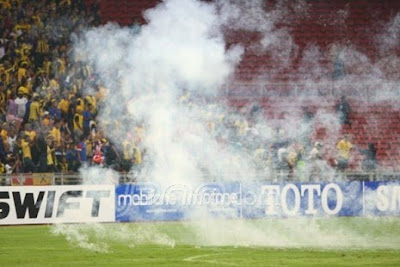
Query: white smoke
{"type": "Point", "coordinates": [98, 237]}
{"type": "Point", "coordinates": [182, 49]}
{"type": "Point", "coordinates": [389, 39]}
{"type": "Point", "coordinates": [97, 175]}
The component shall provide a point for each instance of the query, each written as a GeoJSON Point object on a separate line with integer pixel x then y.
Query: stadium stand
{"type": "Point", "coordinates": [36, 62]}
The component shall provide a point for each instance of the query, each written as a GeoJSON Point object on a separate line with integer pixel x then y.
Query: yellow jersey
{"type": "Point", "coordinates": [56, 134]}
{"type": "Point", "coordinates": [26, 149]}
{"type": "Point", "coordinates": [50, 160]}
{"type": "Point", "coordinates": [34, 111]}
{"type": "Point", "coordinates": [344, 148]}
{"type": "Point", "coordinates": [31, 135]}
{"type": "Point", "coordinates": [63, 105]}
{"type": "Point", "coordinates": [78, 122]}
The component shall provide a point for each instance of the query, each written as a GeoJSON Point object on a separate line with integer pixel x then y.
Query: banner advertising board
{"type": "Point", "coordinates": [57, 204]}
{"type": "Point", "coordinates": [143, 202]}
{"type": "Point", "coordinates": [150, 202]}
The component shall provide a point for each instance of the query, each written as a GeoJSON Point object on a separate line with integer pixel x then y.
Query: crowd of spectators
{"type": "Point", "coordinates": [287, 149]}
{"type": "Point", "coordinates": [47, 125]}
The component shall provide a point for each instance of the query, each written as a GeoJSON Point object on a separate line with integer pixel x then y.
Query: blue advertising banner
{"type": "Point", "coordinates": [381, 198]}
{"type": "Point", "coordinates": [152, 202]}
{"type": "Point", "coordinates": [301, 199]}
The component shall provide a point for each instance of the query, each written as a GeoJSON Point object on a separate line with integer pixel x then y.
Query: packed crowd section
{"type": "Point", "coordinates": [46, 121]}
{"type": "Point", "coordinates": [49, 125]}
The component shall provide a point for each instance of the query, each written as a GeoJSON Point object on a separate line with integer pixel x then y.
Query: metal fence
{"type": "Point", "coordinates": [274, 177]}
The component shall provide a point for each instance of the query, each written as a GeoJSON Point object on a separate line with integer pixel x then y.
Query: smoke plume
{"type": "Point", "coordinates": [168, 77]}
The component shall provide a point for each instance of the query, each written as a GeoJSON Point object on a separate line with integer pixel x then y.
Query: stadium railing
{"type": "Point", "coordinates": [272, 177]}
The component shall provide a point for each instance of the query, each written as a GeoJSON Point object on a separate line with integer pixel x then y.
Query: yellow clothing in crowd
{"type": "Point", "coordinates": [42, 47]}
{"type": "Point", "coordinates": [31, 135]}
{"type": "Point", "coordinates": [21, 74]}
{"type": "Point", "coordinates": [78, 122]}
{"type": "Point", "coordinates": [26, 149]}
{"type": "Point", "coordinates": [92, 100]}
{"type": "Point", "coordinates": [25, 27]}
{"type": "Point", "coordinates": [63, 105]}
{"type": "Point", "coordinates": [2, 99]}
{"type": "Point", "coordinates": [4, 135]}
{"type": "Point", "coordinates": [344, 148]}
{"type": "Point", "coordinates": [34, 111]}
{"type": "Point", "coordinates": [138, 156]}
{"type": "Point", "coordinates": [23, 90]}
{"type": "Point", "coordinates": [50, 160]}
{"type": "Point", "coordinates": [5, 4]}
{"type": "Point", "coordinates": [64, 167]}
{"type": "Point", "coordinates": [54, 84]}
{"type": "Point", "coordinates": [130, 151]}
{"type": "Point", "coordinates": [61, 65]}
{"type": "Point", "coordinates": [80, 104]}
{"type": "Point", "coordinates": [56, 134]}
{"type": "Point", "coordinates": [8, 74]}
{"type": "Point", "coordinates": [47, 66]}
{"type": "Point", "coordinates": [37, 21]}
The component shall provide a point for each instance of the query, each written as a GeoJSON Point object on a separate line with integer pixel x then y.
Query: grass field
{"type": "Point", "coordinates": [294, 242]}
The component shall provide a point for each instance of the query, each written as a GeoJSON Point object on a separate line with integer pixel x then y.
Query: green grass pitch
{"type": "Point", "coordinates": [287, 242]}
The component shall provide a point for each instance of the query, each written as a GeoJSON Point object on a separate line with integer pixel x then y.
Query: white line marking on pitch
{"type": "Point", "coordinates": [197, 258]}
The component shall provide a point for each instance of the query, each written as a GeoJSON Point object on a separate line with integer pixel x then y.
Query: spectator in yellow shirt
{"type": "Point", "coordinates": [46, 66]}
{"type": "Point", "coordinates": [53, 84]}
{"type": "Point", "coordinates": [25, 145]}
{"type": "Point", "coordinates": [92, 101]}
{"type": "Point", "coordinates": [22, 72]}
{"type": "Point", "coordinates": [61, 66]}
{"type": "Point", "coordinates": [51, 164]}
{"type": "Point", "coordinates": [8, 71]}
{"type": "Point", "coordinates": [137, 155]}
{"type": "Point", "coordinates": [34, 110]}
{"type": "Point", "coordinates": [80, 104]}
{"type": "Point", "coordinates": [55, 133]}
{"type": "Point", "coordinates": [29, 133]}
{"type": "Point", "coordinates": [78, 122]}
{"type": "Point", "coordinates": [343, 149]}
{"type": "Point", "coordinates": [63, 105]}
{"type": "Point", "coordinates": [4, 132]}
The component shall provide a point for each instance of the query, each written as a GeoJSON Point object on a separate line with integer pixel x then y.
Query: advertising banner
{"type": "Point", "coordinates": [381, 198]}
{"type": "Point", "coordinates": [151, 202]}
{"type": "Point", "coordinates": [57, 204]}
{"type": "Point", "coordinates": [148, 202]}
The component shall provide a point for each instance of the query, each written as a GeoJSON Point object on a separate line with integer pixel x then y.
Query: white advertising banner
{"type": "Point", "coordinates": [57, 204]}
